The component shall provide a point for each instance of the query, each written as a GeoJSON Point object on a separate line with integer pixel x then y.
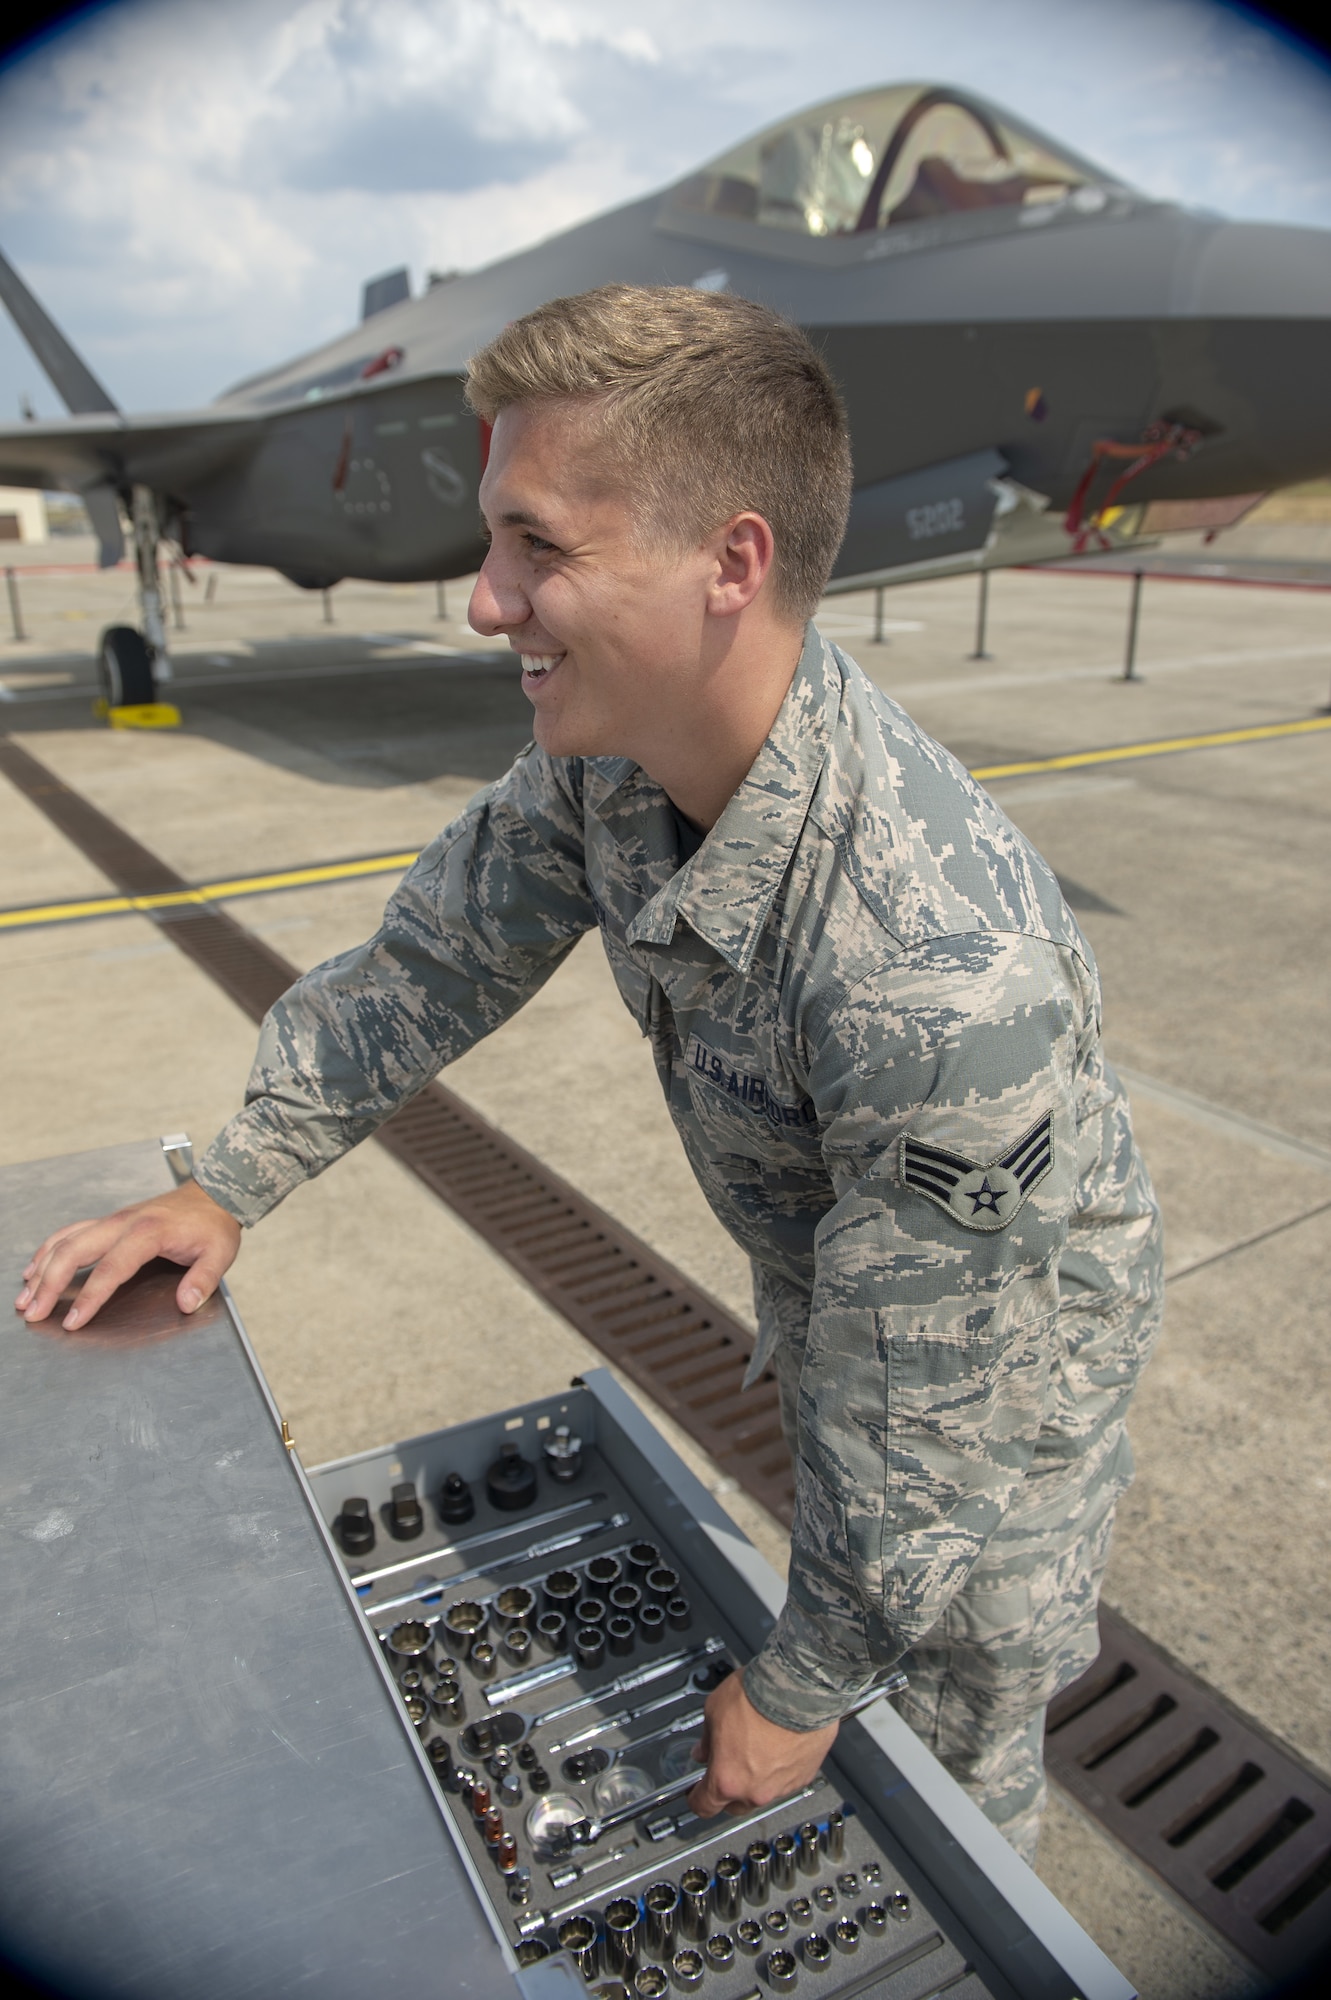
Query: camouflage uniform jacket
{"type": "Point", "coordinates": [877, 1027]}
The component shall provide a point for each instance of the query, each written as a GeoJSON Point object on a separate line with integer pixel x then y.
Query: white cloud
{"type": "Point", "coordinates": [198, 191]}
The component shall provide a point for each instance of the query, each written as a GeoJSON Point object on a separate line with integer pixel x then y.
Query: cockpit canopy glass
{"type": "Point", "coordinates": [903, 154]}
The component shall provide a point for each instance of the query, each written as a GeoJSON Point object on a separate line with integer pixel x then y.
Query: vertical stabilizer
{"type": "Point", "coordinates": [71, 378]}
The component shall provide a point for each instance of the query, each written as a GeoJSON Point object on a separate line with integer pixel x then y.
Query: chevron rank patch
{"type": "Point", "coordinates": [980, 1197]}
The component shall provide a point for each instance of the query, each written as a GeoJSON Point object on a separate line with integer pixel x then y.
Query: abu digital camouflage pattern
{"type": "Point", "coordinates": [862, 970]}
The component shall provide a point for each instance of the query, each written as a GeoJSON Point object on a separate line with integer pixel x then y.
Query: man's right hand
{"type": "Point", "coordinates": [185, 1226]}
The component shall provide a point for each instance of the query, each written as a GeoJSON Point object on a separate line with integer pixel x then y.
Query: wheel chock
{"type": "Point", "coordinates": [139, 714]}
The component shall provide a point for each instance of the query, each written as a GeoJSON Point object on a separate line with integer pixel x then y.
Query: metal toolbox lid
{"type": "Point", "coordinates": [206, 1785]}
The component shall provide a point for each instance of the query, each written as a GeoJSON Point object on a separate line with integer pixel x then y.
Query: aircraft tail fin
{"type": "Point", "coordinates": [71, 378]}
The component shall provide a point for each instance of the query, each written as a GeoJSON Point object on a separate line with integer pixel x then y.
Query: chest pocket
{"type": "Point", "coordinates": [732, 1091]}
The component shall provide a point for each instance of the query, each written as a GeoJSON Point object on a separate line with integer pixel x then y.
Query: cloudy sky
{"type": "Point", "coordinates": [196, 189]}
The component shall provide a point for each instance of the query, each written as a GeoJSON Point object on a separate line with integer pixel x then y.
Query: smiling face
{"type": "Point", "coordinates": [610, 621]}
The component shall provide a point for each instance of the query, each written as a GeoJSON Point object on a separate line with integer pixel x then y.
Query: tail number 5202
{"type": "Point", "coordinates": [940, 517]}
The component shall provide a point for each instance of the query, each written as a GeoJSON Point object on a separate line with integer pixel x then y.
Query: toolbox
{"type": "Point", "coordinates": [423, 1719]}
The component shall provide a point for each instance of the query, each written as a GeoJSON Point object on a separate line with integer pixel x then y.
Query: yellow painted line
{"type": "Point", "coordinates": [215, 892]}
{"type": "Point", "coordinates": [1216, 740]}
{"type": "Point", "coordinates": [390, 864]}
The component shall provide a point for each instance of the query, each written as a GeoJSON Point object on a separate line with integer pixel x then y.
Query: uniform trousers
{"type": "Point", "coordinates": [1022, 1627]}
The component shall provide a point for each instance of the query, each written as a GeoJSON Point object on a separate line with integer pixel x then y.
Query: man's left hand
{"type": "Point", "coordinates": [751, 1761]}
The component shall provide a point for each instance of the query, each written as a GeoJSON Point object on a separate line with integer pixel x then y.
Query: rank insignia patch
{"type": "Point", "coordinates": [980, 1197]}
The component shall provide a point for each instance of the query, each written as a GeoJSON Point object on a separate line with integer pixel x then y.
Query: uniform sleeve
{"type": "Point", "coordinates": [935, 1302]}
{"type": "Point", "coordinates": [476, 926]}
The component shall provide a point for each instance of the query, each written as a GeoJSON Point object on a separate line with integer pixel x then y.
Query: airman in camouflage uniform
{"type": "Point", "coordinates": [877, 1028]}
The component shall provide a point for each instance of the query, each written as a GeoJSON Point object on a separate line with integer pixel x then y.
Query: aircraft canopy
{"type": "Point", "coordinates": [901, 154]}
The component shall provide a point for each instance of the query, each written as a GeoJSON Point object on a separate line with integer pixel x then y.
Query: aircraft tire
{"type": "Point", "coordinates": [125, 667]}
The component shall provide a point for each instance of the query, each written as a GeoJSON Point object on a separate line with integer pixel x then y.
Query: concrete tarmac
{"type": "Point", "coordinates": [1199, 878]}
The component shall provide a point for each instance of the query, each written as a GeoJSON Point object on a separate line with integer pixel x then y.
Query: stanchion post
{"type": "Point", "coordinates": [328, 607]}
{"type": "Point", "coordinates": [879, 636]}
{"type": "Point", "coordinates": [15, 609]}
{"type": "Point", "coordinates": [440, 602]}
{"type": "Point", "coordinates": [1134, 613]}
{"type": "Point", "coordinates": [982, 620]}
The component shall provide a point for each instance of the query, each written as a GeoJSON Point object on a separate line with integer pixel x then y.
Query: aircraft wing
{"type": "Point", "coordinates": [104, 447]}
{"type": "Point", "coordinates": [98, 455]}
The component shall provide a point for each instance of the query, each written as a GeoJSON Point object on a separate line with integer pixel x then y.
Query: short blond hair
{"type": "Point", "coordinates": [708, 406]}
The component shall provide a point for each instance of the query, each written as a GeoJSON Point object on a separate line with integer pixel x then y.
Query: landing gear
{"type": "Point", "coordinates": [131, 663]}
{"type": "Point", "coordinates": [125, 668]}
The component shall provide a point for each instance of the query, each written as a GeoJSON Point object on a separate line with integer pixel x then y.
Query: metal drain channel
{"type": "Point", "coordinates": [666, 1334]}
{"type": "Point", "coordinates": [1236, 1826]}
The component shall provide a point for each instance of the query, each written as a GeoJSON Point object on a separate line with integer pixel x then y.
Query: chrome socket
{"type": "Point", "coordinates": [602, 1572]}
{"type": "Point", "coordinates": [874, 1919]}
{"type": "Point", "coordinates": [514, 1606]}
{"type": "Point", "coordinates": [719, 1951]}
{"type": "Point", "coordinates": [409, 1645]}
{"type": "Point", "coordinates": [817, 1951]}
{"type": "Point", "coordinates": [898, 1906]}
{"type": "Point", "coordinates": [589, 1645]}
{"type": "Point", "coordinates": [621, 1935]}
{"type": "Point", "coordinates": [517, 1645]}
{"type": "Point", "coordinates": [846, 1934]}
{"type": "Point", "coordinates": [825, 1896]}
{"type": "Point", "coordinates": [782, 1970]}
{"type": "Point", "coordinates": [661, 1582]}
{"type": "Point", "coordinates": [810, 1848]}
{"type": "Point", "coordinates": [834, 1837]}
{"type": "Point", "coordinates": [728, 1887]}
{"type": "Point", "coordinates": [679, 1613]}
{"type": "Point", "coordinates": [695, 1886]}
{"type": "Point", "coordinates": [785, 1853]}
{"type": "Point", "coordinates": [661, 1908]}
{"type": "Point", "coordinates": [562, 1590]}
{"type": "Point", "coordinates": [577, 1936]}
{"type": "Point", "coordinates": [552, 1631]}
{"type": "Point", "coordinates": [589, 1611]}
{"type": "Point", "coordinates": [625, 1597]}
{"type": "Point", "coordinates": [641, 1557]}
{"type": "Point", "coordinates": [465, 1622]}
{"type": "Point", "coordinates": [481, 1660]}
{"type": "Point", "coordinates": [686, 1970]}
{"type": "Point", "coordinates": [651, 1621]}
{"type": "Point", "coordinates": [651, 1982]}
{"type": "Point", "coordinates": [777, 1924]}
{"type": "Point", "coordinates": [620, 1633]}
{"type": "Point", "coordinates": [757, 1872]}
{"type": "Point", "coordinates": [749, 1936]}
{"type": "Point", "coordinates": [418, 1713]}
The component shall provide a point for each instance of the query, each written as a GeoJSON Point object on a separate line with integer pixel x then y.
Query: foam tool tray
{"type": "Point", "coordinates": [553, 1596]}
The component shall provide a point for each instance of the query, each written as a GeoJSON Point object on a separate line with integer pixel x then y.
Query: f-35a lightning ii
{"type": "Point", "coordinates": [1026, 345]}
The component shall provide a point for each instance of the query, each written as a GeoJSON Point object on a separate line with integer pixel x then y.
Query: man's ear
{"type": "Point", "coordinates": [744, 552]}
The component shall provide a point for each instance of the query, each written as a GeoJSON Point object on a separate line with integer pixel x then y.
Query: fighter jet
{"type": "Point", "coordinates": [1033, 355]}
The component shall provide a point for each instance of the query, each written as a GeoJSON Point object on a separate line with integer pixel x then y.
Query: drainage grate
{"type": "Point", "coordinates": [1233, 1822]}
{"type": "Point", "coordinates": [686, 1351]}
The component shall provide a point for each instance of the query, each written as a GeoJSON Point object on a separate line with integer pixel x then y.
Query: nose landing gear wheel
{"type": "Point", "coordinates": [125, 667]}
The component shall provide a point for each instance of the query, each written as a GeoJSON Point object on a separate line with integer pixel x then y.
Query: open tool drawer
{"type": "Point", "coordinates": [553, 1594]}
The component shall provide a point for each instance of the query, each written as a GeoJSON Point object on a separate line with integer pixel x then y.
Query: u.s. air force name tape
{"type": "Point", "coordinates": [978, 1195]}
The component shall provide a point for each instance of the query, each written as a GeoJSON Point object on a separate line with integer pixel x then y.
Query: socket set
{"type": "Point", "coordinates": [551, 1641]}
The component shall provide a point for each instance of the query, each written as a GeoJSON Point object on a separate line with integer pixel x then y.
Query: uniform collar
{"type": "Point", "coordinates": [725, 893]}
